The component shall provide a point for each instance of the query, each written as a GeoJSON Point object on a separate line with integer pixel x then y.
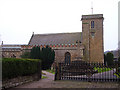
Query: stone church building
{"type": "Point", "coordinates": [86, 45]}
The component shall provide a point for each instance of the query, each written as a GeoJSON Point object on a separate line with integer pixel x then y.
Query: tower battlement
{"type": "Point", "coordinates": [92, 16]}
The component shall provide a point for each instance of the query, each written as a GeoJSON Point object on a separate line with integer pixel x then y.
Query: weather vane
{"type": "Point", "coordinates": [92, 7]}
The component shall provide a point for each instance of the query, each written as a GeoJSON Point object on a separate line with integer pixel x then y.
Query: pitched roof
{"type": "Point", "coordinates": [59, 38]}
{"type": "Point", "coordinates": [8, 47]}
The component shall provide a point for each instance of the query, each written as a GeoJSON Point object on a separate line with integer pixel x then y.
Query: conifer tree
{"type": "Point", "coordinates": [47, 55]}
{"type": "Point", "coordinates": [109, 58]}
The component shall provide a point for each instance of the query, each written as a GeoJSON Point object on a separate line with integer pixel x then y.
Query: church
{"type": "Point", "coordinates": [86, 45]}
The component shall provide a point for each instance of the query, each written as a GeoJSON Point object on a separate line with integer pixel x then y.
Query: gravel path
{"type": "Point", "coordinates": [50, 83]}
{"type": "Point", "coordinates": [43, 83]}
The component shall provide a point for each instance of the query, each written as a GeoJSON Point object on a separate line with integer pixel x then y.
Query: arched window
{"type": "Point", "coordinates": [67, 57]}
{"type": "Point", "coordinates": [92, 24]}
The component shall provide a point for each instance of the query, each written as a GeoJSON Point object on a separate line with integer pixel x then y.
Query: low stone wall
{"type": "Point", "coordinates": [8, 83]}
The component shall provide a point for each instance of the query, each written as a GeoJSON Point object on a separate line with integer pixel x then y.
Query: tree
{"type": "Point", "coordinates": [35, 53]}
{"type": "Point", "coordinates": [109, 58]}
{"type": "Point", "coordinates": [48, 56]}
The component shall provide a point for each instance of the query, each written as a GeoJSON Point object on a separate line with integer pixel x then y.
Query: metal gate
{"type": "Point", "coordinates": [84, 71]}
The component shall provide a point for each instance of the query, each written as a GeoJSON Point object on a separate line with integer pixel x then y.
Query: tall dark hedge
{"type": "Point", "coordinates": [12, 67]}
{"type": "Point", "coordinates": [47, 55]}
{"type": "Point", "coordinates": [35, 53]}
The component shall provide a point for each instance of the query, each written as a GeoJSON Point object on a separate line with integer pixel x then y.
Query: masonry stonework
{"type": "Point", "coordinates": [93, 37]}
{"type": "Point", "coordinates": [11, 51]}
{"type": "Point", "coordinates": [75, 52]}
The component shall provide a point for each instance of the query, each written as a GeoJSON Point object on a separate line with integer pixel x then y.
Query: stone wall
{"type": "Point", "coordinates": [96, 42]}
{"type": "Point", "coordinates": [8, 83]}
{"type": "Point", "coordinates": [12, 53]}
{"type": "Point", "coordinates": [9, 51]}
{"type": "Point", "coordinates": [75, 52]}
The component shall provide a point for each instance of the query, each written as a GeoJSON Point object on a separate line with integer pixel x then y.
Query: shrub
{"type": "Point", "coordinates": [35, 53]}
{"type": "Point", "coordinates": [47, 55]}
{"type": "Point", "coordinates": [109, 58]}
{"type": "Point", "coordinates": [12, 67]}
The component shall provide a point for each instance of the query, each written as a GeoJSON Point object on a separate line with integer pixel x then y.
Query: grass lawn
{"type": "Point", "coordinates": [106, 69]}
{"type": "Point", "coordinates": [118, 75]}
{"type": "Point", "coordinates": [102, 69]}
{"type": "Point", "coordinates": [51, 71]}
{"type": "Point", "coordinates": [43, 77]}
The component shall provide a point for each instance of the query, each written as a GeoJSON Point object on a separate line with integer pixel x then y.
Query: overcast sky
{"type": "Point", "coordinates": [20, 18]}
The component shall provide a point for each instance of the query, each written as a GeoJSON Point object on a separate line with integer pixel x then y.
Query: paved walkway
{"type": "Point", "coordinates": [43, 83]}
{"type": "Point", "coordinates": [50, 83]}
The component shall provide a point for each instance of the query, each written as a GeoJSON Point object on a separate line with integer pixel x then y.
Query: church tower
{"type": "Point", "coordinates": [92, 37]}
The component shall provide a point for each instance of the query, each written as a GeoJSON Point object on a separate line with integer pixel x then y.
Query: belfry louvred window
{"type": "Point", "coordinates": [92, 24]}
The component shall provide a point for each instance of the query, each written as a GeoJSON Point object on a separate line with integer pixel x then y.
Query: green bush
{"type": "Point", "coordinates": [109, 58]}
{"type": "Point", "coordinates": [12, 67]}
{"type": "Point", "coordinates": [35, 53]}
{"type": "Point", "coordinates": [47, 55]}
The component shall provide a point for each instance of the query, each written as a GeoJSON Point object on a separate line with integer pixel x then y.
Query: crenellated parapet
{"type": "Point", "coordinates": [55, 46]}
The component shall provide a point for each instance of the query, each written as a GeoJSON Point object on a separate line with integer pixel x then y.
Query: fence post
{"type": "Point", "coordinates": [39, 73]}
{"type": "Point", "coordinates": [56, 69]}
{"type": "Point", "coordinates": [89, 72]}
{"type": "Point", "coordinates": [59, 65]}
{"type": "Point", "coordinates": [119, 72]}
{"type": "Point", "coordinates": [57, 73]}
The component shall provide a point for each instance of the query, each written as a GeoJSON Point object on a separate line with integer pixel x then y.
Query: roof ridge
{"type": "Point", "coordinates": [58, 33]}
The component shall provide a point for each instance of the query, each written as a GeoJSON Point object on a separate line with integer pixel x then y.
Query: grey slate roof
{"type": "Point", "coordinates": [59, 38]}
{"type": "Point", "coordinates": [11, 47]}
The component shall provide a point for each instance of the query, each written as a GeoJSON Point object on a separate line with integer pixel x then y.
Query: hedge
{"type": "Point", "coordinates": [13, 67]}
